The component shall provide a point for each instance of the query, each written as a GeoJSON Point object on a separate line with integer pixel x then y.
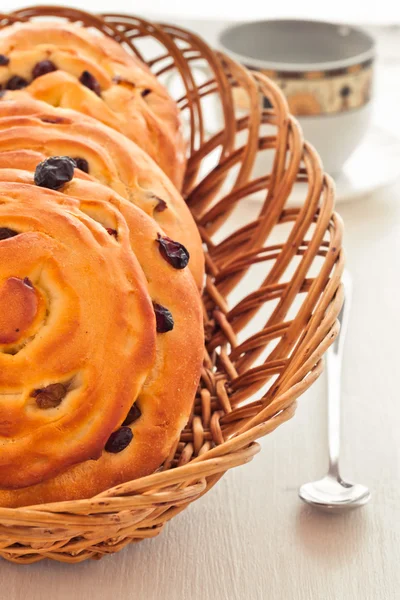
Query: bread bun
{"type": "Point", "coordinates": [69, 338]}
{"type": "Point", "coordinates": [109, 156]}
{"type": "Point", "coordinates": [69, 66]}
{"type": "Point", "coordinates": [164, 401]}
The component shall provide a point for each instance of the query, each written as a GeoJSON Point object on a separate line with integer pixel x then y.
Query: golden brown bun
{"type": "Point", "coordinates": [113, 159]}
{"type": "Point", "coordinates": [131, 98]}
{"type": "Point", "coordinates": [90, 337]}
{"type": "Point", "coordinates": [167, 395]}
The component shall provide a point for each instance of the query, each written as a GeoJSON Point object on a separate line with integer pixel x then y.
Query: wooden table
{"type": "Point", "coordinates": [251, 538]}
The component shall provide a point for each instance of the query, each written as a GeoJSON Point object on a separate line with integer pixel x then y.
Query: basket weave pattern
{"type": "Point", "coordinates": [270, 302]}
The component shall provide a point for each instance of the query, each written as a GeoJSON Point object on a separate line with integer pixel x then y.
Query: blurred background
{"type": "Point", "coordinates": [386, 11]}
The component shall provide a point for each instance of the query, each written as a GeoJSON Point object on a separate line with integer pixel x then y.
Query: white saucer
{"type": "Point", "coordinates": [373, 166]}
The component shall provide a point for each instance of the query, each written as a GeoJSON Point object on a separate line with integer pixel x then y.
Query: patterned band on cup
{"type": "Point", "coordinates": [325, 92]}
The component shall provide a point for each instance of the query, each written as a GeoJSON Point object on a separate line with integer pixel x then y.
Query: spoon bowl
{"type": "Point", "coordinates": [334, 495]}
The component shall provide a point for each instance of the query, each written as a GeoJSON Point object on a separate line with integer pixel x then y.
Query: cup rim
{"type": "Point", "coordinates": [269, 65]}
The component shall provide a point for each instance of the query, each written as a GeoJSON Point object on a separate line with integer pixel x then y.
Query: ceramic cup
{"type": "Point", "coordinates": [325, 71]}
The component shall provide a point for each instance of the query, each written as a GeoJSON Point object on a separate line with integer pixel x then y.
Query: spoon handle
{"type": "Point", "coordinates": [334, 359]}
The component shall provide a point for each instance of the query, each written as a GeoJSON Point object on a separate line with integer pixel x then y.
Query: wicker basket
{"type": "Point", "coordinates": [270, 303]}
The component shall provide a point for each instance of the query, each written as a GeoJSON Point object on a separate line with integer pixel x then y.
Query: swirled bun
{"type": "Point", "coordinates": [68, 338]}
{"type": "Point", "coordinates": [110, 157]}
{"type": "Point", "coordinates": [69, 66]}
{"type": "Point", "coordinates": [145, 432]}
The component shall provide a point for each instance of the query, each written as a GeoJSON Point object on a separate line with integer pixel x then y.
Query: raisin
{"type": "Point", "coordinates": [42, 68]}
{"type": "Point", "coordinates": [112, 232]}
{"type": "Point", "coordinates": [4, 60]}
{"type": "Point", "coordinates": [164, 319]}
{"type": "Point", "coordinates": [50, 396]}
{"type": "Point", "coordinates": [161, 204]}
{"type": "Point", "coordinates": [173, 252]}
{"type": "Point", "coordinates": [16, 83]}
{"type": "Point", "coordinates": [89, 81]}
{"type": "Point", "coordinates": [54, 172]}
{"type": "Point", "coordinates": [6, 233]}
{"type": "Point", "coordinates": [145, 92]}
{"type": "Point", "coordinates": [119, 440]}
{"type": "Point", "coordinates": [133, 415]}
{"type": "Point", "coordinates": [28, 282]}
{"type": "Point", "coordinates": [54, 120]}
{"type": "Point", "coordinates": [45, 401]}
{"type": "Point", "coordinates": [81, 164]}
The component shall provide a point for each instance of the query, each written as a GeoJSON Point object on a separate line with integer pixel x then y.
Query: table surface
{"type": "Point", "coordinates": [250, 538]}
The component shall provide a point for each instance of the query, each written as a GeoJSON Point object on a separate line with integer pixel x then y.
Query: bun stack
{"type": "Point", "coordinates": [101, 263]}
